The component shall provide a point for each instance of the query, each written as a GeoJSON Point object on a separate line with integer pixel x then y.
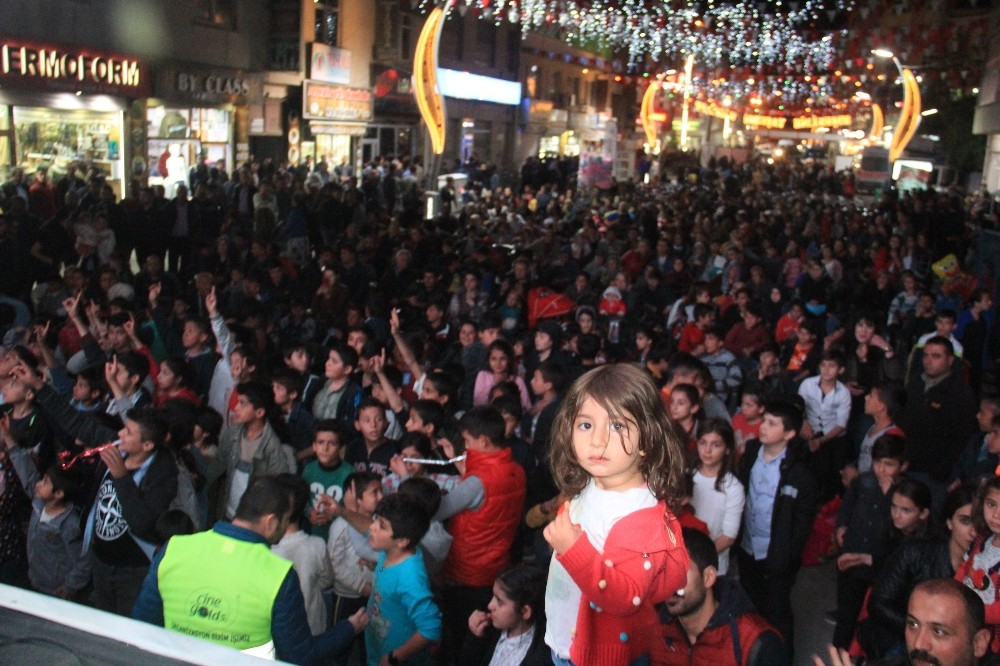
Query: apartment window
{"type": "Point", "coordinates": [327, 23]}
{"type": "Point", "coordinates": [513, 46]}
{"type": "Point", "coordinates": [406, 43]}
{"type": "Point", "coordinates": [486, 34]}
{"type": "Point", "coordinates": [217, 13]}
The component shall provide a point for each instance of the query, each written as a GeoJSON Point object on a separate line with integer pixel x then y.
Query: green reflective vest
{"type": "Point", "coordinates": [220, 589]}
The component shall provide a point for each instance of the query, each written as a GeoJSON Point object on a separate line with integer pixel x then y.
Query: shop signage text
{"type": "Point", "coordinates": [321, 101]}
{"type": "Point", "coordinates": [46, 64]}
{"type": "Point", "coordinates": [815, 122]}
{"type": "Point", "coordinates": [329, 64]}
{"type": "Point", "coordinates": [767, 122]}
{"type": "Point", "coordinates": [712, 109]}
{"type": "Point", "coordinates": [217, 85]}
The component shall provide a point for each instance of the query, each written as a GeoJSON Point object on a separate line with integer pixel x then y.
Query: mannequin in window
{"type": "Point", "coordinates": [177, 170]}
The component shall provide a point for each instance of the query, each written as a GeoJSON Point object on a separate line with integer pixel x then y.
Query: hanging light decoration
{"type": "Point", "coordinates": [716, 32]}
{"type": "Point", "coordinates": [783, 52]}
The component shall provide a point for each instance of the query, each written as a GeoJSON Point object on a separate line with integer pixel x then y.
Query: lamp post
{"type": "Point", "coordinates": [909, 117]}
{"type": "Point", "coordinates": [727, 130]}
{"type": "Point", "coordinates": [688, 65]}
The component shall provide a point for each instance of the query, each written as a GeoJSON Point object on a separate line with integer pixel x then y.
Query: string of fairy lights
{"type": "Point", "coordinates": [765, 33]}
{"type": "Point", "coordinates": [762, 56]}
{"type": "Point", "coordinates": [779, 53]}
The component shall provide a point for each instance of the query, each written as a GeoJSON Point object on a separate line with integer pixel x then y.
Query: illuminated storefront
{"type": "Point", "coordinates": [395, 130]}
{"type": "Point", "coordinates": [338, 120]}
{"type": "Point", "coordinates": [198, 114]}
{"type": "Point", "coordinates": [62, 105]}
{"type": "Point", "coordinates": [474, 128]}
{"type": "Point", "coordinates": [547, 125]}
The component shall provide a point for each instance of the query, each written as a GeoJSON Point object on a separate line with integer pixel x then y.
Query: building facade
{"type": "Point", "coordinates": [138, 90]}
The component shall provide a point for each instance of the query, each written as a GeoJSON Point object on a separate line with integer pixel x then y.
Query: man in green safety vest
{"type": "Point", "coordinates": [226, 586]}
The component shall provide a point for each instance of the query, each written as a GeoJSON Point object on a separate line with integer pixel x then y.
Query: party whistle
{"type": "Point", "coordinates": [434, 461]}
{"type": "Point", "coordinates": [67, 460]}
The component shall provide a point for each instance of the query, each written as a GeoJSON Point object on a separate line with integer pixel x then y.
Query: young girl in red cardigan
{"type": "Point", "coordinates": [618, 548]}
{"type": "Point", "coordinates": [980, 570]}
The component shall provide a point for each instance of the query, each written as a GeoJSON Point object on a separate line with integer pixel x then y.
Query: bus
{"type": "Point", "coordinates": [873, 170]}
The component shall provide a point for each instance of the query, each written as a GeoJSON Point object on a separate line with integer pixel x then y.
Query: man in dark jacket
{"type": "Point", "coordinates": [713, 621]}
{"type": "Point", "coordinates": [945, 624]}
{"type": "Point", "coordinates": [136, 481]}
{"type": "Point", "coordinates": [940, 416]}
{"type": "Point", "coordinates": [778, 517]}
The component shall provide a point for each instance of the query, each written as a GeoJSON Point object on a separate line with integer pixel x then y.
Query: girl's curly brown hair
{"type": "Point", "coordinates": [628, 394]}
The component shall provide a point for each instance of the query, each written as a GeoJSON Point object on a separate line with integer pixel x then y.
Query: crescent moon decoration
{"type": "Point", "coordinates": [429, 99]}
{"type": "Point", "coordinates": [909, 119]}
{"type": "Point", "coordinates": [878, 122]}
{"type": "Point", "coordinates": [648, 124]}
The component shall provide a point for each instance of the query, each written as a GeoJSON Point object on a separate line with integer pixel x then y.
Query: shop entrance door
{"type": "Point", "coordinates": [369, 149]}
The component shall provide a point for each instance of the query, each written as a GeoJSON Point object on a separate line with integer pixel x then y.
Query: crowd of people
{"type": "Point", "coordinates": [546, 426]}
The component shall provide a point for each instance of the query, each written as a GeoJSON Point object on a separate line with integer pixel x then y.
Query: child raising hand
{"type": "Point", "coordinates": [618, 548]}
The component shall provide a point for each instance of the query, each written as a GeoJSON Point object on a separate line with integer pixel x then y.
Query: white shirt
{"type": "Point", "coordinates": [721, 510]}
{"type": "Point", "coordinates": [241, 481]}
{"type": "Point", "coordinates": [825, 411]}
{"type": "Point", "coordinates": [595, 511]}
{"type": "Point", "coordinates": [512, 650]}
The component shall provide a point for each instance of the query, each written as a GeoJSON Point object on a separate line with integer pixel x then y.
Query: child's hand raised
{"type": "Point", "coordinates": [93, 310]}
{"type": "Point", "coordinates": [41, 331]}
{"type": "Point", "coordinates": [478, 622]}
{"type": "Point", "coordinates": [211, 303]}
{"type": "Point", "coordinates": [377, 362]}
{"type": "Point", "coordinates": [562, 533]}
{"type": "Point", "coordinates": [154, 293]}
{"type": "Point", "coordinates": [111, 371]}
{"type": "Point", "coordinates": [350, 499]}
{"type": "Point", "coordinates": [70, 304]}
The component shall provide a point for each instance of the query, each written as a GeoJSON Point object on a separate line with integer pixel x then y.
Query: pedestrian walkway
{"type": "Point", "coordinates": [814, 594]}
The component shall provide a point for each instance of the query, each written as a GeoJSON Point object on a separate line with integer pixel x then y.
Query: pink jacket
{"type": "Point", "coordinates": [484, 382]}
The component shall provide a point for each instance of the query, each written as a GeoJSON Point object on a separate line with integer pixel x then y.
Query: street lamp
{"type": "Point", "coordinates": [886, 53]}
{"type": "Point", "coordinates": [688, 65]}
{"type": "Point", "coordinates": [909, 117]}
